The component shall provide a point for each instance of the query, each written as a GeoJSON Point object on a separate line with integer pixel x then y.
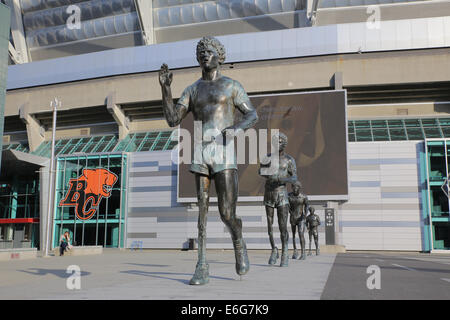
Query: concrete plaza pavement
{"type": "Point", "coordinates": [402, 276]}
{"type": "Point", "coordinates": [164, 274]}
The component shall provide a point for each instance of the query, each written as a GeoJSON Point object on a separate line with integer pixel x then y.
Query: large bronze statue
{"type": "Point", "coordinates": [298, 208]}
{"type": "Point", "coordinates": [276, 197]}
{"type": "Point", "coordinates": [313, 223]}
{"type": "Point", "coordinates": [213, 100]}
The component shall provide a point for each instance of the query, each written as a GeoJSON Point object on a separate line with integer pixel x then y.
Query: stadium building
{"type": "Point", "coordinates": [388, 59]}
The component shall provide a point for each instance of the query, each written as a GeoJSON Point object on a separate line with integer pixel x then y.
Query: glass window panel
{"type": "Point", "coordinates": [397, 134]}
{"type": "Point", "coordinates": [93, 163]}
{"type": "Point", "coordinates": [432, 132]}
{"type": "Point", "coordinates": [438, 202]}
{"type": "Point", "coordinates": [165, 134]}
{"type": "Point", "coordinates": [136, 140]}
{"type": "Point", "coordinates": [446, 131]}
{"type": "Point", "coordinates": [379, 124]}
{"type": "Point", "coordinates": [69, 146]}
{"type": "Point", "coordinates": [173, 143]}
{"type": "Point", "coordinates": [380, 135]}
{"type": "Point", "coordinates": [133, 145]}
{"type": "Point", "coordinates": [111, 144]}
{"type": "Point", "coordinates": [414, 134]}
{"type": "Point", "coordinates": [444, 121]}
{"type": "Point", "coordinates": [363, 135]}
{"type": "Point", "coordinates": [22, 148]}
{"type": "Point", "coordinates": [122, 144]}
{"type": "Point", "coordinates": [153, 135]}
{"type": "Point", "coordinates": [412, 123]}
{"type": "Point", "coordinates": [350, 124]}
{"type": "Point", "coordinates": [101, 145]}
{"type": "Point", "coordinates": [80, 145]}
{"type": "Point", "coordinates": [362, 124]}
{"type": "Point", "coordinates": [429, 122]}
{"type": "Point", "coordinates": [92, 145]}
{"type": "Point", "coordinates": [351, 138]}
{"type": "Point", "coordinates": [147, 145]}
{"type": "Point", "coordinates": [395, 123]}
{"type": "Point", "coordinates": [104, 144]}
{"type": "Point", "coordinates": [351, 129]}
{"type": "Point", "coordinates": [140, 135]}
{"type": "Point", "coordinates": [160, 144]}
{"type": "Point", "coordinates": [59, 145]}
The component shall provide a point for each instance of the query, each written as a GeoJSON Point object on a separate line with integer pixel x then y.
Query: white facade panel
{"type": "Point", "coordinates": [383, 221]}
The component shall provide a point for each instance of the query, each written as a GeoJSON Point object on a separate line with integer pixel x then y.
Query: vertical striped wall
{"type": "Point", "coordinates": [155, 218]}
{"type": "Point", "coordinates": [384, 210]}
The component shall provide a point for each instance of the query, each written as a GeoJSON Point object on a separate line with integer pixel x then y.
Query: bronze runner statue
{"type": "Point", "coordinates": [313, 223]}
{"type": "Point", "coordinates": [298, 208]}
{"type": "Point", "coordinates": [213, 100]}
{"type": "Point", "coordinates": [276, 197]}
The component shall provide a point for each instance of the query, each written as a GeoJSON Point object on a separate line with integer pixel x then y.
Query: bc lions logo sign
{"type": "Point", "coordinates": [86, 191]}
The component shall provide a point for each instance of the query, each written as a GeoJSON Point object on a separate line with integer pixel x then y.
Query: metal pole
{"type": "Point", "coordinates": [53, 104]}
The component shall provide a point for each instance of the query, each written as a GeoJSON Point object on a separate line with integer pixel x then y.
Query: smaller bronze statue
{"type": "Point", "coordinates": [313, 223]}
{"type": "Point", "coordinates": [298, 209]}
{"type": "Point", "coordinates": [276, 197]}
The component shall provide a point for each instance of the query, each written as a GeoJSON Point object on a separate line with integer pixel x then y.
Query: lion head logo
{"type": "Point", "coordinates": [86, 191]}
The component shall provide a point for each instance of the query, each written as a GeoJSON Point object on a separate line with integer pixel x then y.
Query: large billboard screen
{"type": "Point", "coordinates": [316, 127]}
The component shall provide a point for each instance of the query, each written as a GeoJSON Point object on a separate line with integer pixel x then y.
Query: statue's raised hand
{"type": "Point", "coordinates": [165, 75]}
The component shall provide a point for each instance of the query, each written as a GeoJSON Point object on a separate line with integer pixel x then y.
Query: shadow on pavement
{"type": "Point", "coordinates": [233, 263]}
{"type": "Point", "coordinates": [165, 275]}
{"type": "Point", "coordinates": [61, 273]}
{"type": "Point", "coordinates": [149, 265]}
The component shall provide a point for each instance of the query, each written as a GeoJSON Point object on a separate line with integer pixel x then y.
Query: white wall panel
{"type": "Point", "coordinates": [379, 226]}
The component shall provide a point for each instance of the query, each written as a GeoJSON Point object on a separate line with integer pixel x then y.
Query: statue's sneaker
{"type": "Point", "coordinates": [317, 251]}
{"type": "Point", "coordinates": [295, 255]}
{"type": "Point", "coordinates": [274, 256]}
{"type": "Point", "coordinates": [240, 252]}
{"type": "Point", "coordinates": [201, 275]}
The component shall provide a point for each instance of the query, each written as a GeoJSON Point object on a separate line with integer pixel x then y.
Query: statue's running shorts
{"type": "Point", "coordinates": [276, 198]}
{"type": "Point", "coordinates": [212, 158]}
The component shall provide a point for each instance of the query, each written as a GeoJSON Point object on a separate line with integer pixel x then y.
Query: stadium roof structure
{"type": "Point", "coordinates": [46, 29]}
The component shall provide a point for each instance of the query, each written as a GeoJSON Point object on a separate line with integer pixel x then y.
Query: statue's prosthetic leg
{"type": "Point", "coordinates": [201, 275]}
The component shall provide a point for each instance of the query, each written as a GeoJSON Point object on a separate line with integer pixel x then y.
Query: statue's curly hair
{"type": "Point", "coordinates": [206, 42]}
{"type": "Point", "coordinates": [284, 138]}
{"type": "Point", "coordinates": [297, 184]}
